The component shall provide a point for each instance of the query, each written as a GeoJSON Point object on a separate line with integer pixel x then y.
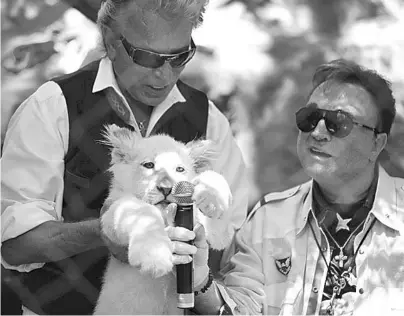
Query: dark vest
{"type": "Point", "coordinates": [72, 286]}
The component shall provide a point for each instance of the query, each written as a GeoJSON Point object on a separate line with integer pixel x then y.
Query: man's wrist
{"type": "Point", "coordinates": [210, 302]}
{"type": "Point", "coordinates": [203, 273]}
{"type": "Point", "coordinates": [207, 284]}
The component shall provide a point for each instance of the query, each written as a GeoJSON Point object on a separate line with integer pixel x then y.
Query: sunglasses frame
{"type": "Point", "coordinates": [323, 116]}
{"type": "Point", "coordinates": [131, 50]}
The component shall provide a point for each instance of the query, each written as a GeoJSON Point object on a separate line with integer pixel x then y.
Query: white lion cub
{"type": "Point", "coordinates": [144, 171]}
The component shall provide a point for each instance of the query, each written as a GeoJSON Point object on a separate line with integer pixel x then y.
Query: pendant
{"type": "Point", "coordinates": [349, 277]}
{"type": "Point", "coordinates": [341, 258]}
{"type": "Point", "coordinates": [336, 291]}
{"type": "Point", "coordinates": [342, 223]}
{"type": "Point", "coordinates": [330, 308]}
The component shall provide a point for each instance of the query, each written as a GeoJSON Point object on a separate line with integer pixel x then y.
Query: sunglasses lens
{"type": "Point", "coordinates": [182, 59]}
{"type": "Point", "coordinates": [307, 119]}
{"type": "Point", "coordinates": [146, 59]}
{"type": "Point", "coordinates": [149, 59]}
{"type": "Point", "coordinates": [339, 123]}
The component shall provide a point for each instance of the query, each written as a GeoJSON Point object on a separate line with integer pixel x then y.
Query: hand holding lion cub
{"type": "Point", "coordinates": [144, 171]}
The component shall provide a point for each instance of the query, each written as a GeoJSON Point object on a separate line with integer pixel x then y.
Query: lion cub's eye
{"type": "Point", "coordinates": [180, 169]}
{"type": "Point", "coordinates": [148, 165]}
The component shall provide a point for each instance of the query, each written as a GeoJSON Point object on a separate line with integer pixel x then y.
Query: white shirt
{"type": "Point", "coordinates": [36, 143]}
{"type": "Point", "coordinates": [279, 228]}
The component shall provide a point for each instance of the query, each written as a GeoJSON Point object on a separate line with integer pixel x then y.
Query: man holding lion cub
{"type": "Point", "coordinates": [55, 164]}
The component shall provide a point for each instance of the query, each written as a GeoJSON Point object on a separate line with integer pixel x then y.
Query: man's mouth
{"type": "Point", "coordinates": [319, 153]}
{"type": "Point", "coordinates": [158, 88]}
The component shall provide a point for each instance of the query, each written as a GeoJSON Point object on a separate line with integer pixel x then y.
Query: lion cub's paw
{"type": "Point", "coordinates": [212, 194]}
{"type": "Point", "coordinates": [152, 255]}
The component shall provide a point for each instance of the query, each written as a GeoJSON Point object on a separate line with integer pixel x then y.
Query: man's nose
{"type": "Point", "coordinates": [165, 190]}
{"type": "Point", "coordinates": [164, 72]}
{"type": "Point", "coordinates": [321, 132]}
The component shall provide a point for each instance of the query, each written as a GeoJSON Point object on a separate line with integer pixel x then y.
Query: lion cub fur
{"type": "Point", "coordinates": [141, 169]}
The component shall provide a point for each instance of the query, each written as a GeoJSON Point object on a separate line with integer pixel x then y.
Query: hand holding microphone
{"type": "Point", "coordinates": [187, 283]}
{"type": "Point", "coordinates": [182, 193]}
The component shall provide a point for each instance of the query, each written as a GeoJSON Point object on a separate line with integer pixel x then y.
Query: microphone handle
{"type": "Point", "coordinates": [184, 218]}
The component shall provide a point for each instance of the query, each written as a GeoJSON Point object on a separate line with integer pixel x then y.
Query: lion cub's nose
{"type": "Point", "coordinates": [166, 191]}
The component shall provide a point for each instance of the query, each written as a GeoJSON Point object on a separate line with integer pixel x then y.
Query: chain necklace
{"type": "Point", "coordinates": [341, 282]}
{"type": "Point", "coordinates": [341, 257]}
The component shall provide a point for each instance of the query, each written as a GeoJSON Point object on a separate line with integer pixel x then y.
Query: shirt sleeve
{"type": "Point", "coordinates": [243, 277]}
{"type": "Point", "coordinates": [32, 164]}
{"type": "Point", "coordinates": [229, 163]}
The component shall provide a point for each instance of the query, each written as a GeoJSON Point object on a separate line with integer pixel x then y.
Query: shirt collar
{"type": "Point", "coordinates": [303, 216]}
{"type": "Point", "coordinates": [385, 206]}
{"type": "Point", "coordinates": [173, 97]}
{"type": "Point", "coordinates": [106, 79]}
{"type": "Point", "coordinates": [325, 212]}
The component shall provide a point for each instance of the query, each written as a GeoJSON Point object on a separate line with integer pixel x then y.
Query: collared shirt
{"type": "Point", "coordinates": [275, 268]}
{"type": "Point", "coordinates": [37, 141]}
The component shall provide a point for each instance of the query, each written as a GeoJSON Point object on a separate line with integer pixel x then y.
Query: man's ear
{"type": "Point", "coordinates": [110, 40]}
{"type": "Point", "coordinates": [202, 154]}
{"type": "Point", "coordinates": [122, 141]}
{"type": "Point", "coordinates": [378, 146]}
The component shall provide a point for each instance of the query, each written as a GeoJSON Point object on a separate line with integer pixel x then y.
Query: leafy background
{"type": "Point", "coordinates": [255, 61]}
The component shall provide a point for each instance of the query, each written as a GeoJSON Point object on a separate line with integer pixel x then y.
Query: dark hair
{"type": "Point", "coordinates": [345, 71]}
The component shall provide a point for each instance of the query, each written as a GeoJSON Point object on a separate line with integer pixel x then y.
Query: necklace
{"type": "Point", "coordinates": [341, 281]}
{"type": "Point", "coordinates": [341, 257]}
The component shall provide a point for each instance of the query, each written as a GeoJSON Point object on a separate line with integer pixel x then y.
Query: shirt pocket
{"type": "Point", "coordinates": [275, 294]}
{"type": "Point", "coordinates": [280, 295]}
{"type": "Point", "coordinates": [79, 181]}
{"type": "Point", "coordinates": [77, 198]}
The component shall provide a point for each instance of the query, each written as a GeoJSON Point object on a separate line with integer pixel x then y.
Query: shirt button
{"type": "Point", "coordinates": [361, 251]}
{"type": "Point", "coordinates": [361, 291]}
{"type": "Point", "coordinates": [324, 249]}
{"type": "Point", "coordinates": [387, 215]}
{"type": "Point", "coordinates": [315, 290]}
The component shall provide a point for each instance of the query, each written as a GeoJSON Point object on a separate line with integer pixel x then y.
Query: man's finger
{"type": "Point", "coordinates": [181, 248]}
{"type": "Point", "coordinates": [200, 237]}
{"type": "Point", "coordinates": [181, 259]}
{"type": "Point", "coordinates": [180, 233]}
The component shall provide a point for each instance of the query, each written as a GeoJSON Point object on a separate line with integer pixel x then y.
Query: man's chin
{"type": "Point", "coordinates": [318, 171]}
{"type": "Point", "coordinates": [152, 99]}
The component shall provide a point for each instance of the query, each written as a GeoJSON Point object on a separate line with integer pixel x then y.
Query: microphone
{"type": "Point", "coordinates": [182, 193]}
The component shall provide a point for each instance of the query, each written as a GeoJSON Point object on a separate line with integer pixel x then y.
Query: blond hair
{"type": "Point", "coordinates": [111, 11]}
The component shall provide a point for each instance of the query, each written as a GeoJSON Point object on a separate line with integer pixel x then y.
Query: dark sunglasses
{"type": "Point", "coordinates": [150, 59]}
{"type": "Point", "coordinates": [338, 123]}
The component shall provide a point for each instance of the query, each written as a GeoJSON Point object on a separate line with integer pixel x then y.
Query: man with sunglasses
{"type": "Point", "coordinates": [333, 245]}
{"type": "Point", "coordinates": [56, 180]}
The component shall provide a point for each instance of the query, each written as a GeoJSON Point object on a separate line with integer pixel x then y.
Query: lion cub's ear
{"type": "Point", "coordinates": [202, 153]}
{"type": "Point", "coordinates": [122, 141]}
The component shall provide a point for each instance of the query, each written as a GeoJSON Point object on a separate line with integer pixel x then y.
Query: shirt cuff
{"type": "Point", "coordinates": [227, 299]}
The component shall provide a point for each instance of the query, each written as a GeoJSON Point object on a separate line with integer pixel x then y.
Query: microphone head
{"type": "Point", "coordinates": [182, 192]}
